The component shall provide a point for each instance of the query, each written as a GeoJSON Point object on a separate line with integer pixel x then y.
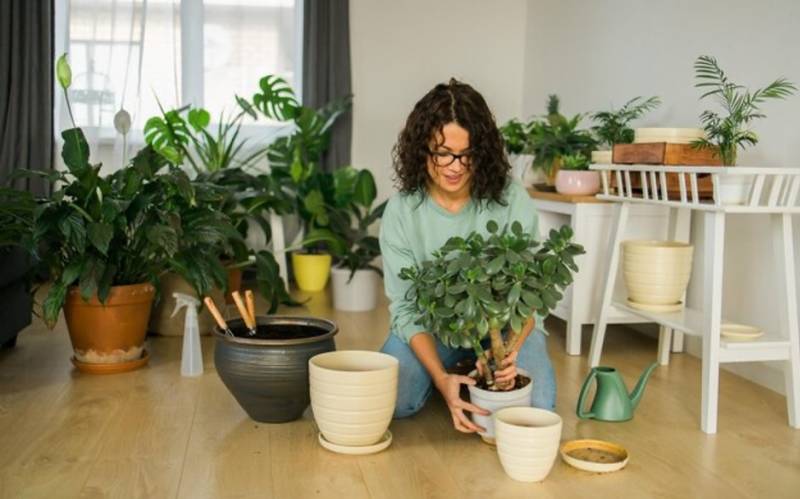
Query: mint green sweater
{"type": "Point", "coordinates": [414, 226]}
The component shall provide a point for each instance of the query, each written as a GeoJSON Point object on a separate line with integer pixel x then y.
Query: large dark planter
{"type": "Point", "coordinates": [268, 373]}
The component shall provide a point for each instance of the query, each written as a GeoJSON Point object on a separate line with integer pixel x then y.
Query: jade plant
{"type": "Point", "coordinates": [613, 127]}
{"type": "Point", "coordinates": [481, 287]}
{"type": "Point", "coordinates": [731, 130]}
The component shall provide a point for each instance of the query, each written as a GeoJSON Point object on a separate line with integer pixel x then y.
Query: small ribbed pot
{"type": "Point", "coordinates": [269, 377]}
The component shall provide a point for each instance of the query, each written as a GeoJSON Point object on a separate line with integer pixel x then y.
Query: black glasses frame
{"type": "Point", "coordinates": [436, 155]}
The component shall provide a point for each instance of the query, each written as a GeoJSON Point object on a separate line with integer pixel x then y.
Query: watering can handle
{"type": "Point", "coordinates": [582, 396]}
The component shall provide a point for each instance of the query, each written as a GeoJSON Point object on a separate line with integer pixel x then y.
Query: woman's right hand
{"type": "Point", "coordinates": [450, 387]}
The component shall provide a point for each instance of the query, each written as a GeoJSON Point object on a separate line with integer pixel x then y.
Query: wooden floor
{"type": "Point", "coordinates": [152, 433]}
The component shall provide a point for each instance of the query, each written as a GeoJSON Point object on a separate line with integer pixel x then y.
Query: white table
{"type": "Point", "coordinates": [592, 220]}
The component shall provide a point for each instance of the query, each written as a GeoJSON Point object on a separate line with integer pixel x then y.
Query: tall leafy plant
{"type": "Point", "coordinates": [480, 286]}
{"type": "Point", "coordinates": [16, 218]}
{"type": "Point", "coordinates": [730, 131]}
{"type": "Point", "coordinates": [555, 135]}
{"type": "Point", "coordinates": [613, 127]}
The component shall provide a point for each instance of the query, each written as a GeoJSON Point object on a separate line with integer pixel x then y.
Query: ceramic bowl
{"type": "Point", "coordinates": [527, 441]}
{"type": "Point", "coordinates": [578, 182]}
{"type": "Point", "coordinates": [353, 394]}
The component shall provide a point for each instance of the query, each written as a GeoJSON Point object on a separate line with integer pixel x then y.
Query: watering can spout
{"type": "Point", "coordinates": [638, 391]}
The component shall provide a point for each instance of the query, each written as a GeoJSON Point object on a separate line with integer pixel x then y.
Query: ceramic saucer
{"type": "Point", "coordinates": [596, 456]}
{"type": "Point", "coordinates": [358, 450]}
{"type": "Point", "coordinates": [112, 368]}
{"type": "Point", "coordinates": [740, 332]}
{"type": "Point", "coordinates": [672, 307]}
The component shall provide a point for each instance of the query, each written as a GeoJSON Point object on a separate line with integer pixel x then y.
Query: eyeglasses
{"type": "Point", "coordinates": [448, 158]}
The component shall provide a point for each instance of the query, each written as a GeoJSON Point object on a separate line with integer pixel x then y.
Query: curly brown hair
{"type": "Point", "coordinates": [446, 103]}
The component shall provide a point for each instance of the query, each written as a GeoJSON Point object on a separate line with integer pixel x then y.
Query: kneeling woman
{"type": "Point", "coordinates": [453, 177]}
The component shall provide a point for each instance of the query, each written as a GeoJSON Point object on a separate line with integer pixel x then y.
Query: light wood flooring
{"type": "Point", "coordinates": [152, 433]}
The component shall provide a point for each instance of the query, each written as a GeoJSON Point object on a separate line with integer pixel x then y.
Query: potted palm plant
{"type": "Point", "coordinates": [294, 158]}
{"type": "Point", "coordinates": [613, 127]}
{"type": "Point", "coordinates": [554, 136]}
{"type": "Point", "coordinates": [731, 131]}
{"type": "Point", "coordinates": [574, 178]}
{"type": "Point", "coordinates": [484, 292]}
{"type": "Point", "coordinates": [354, 275]}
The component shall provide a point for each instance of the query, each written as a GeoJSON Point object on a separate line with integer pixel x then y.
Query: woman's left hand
{"type": "Point", "coordinates": [508, 369]}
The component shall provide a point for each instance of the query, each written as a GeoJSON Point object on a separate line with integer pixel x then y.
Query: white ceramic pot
{"type": "Point", "coordinates": [494, 401]}
{"type": "Point", "coordinates": [578, 182]}
{"type": "Point", "coordinates": [359, 294]}
{"type": "Point", "coordinates": [527, 442]}
{"type": "Point", "coordinates": [734, 189]}
{"type": "Point", "coordinates": [656, 272]}
{"type": "Point", "coordinates": [670, 135]}
{"type": "Point", "coordinates": [602, 157]}
{"type": "Point", "coordinates": [353, 394]}
{"type": "Point", "coordinates": [520, 166]}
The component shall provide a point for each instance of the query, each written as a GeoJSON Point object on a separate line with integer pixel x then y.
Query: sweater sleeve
{"type": "Point", "coordinates": [397, 254]}
{"type": "Point", "coordinates": [523, 209]}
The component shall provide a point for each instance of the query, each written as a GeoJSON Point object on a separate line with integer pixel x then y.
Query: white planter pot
{"type": "Point", "coordinates": [527, 442]}
{"type": "Point", "coordinates": [734, 189]}
{"type": "Point", "coordinates": [358, 295]}
{"type": "Point", "coordinates": [520, 164]}
{"type": "Point", "coordinates": [353, 394]}
{"type": "Point", "coordinates": [656, 272]}
{"type": "Point", "coordinates": [494, 401]}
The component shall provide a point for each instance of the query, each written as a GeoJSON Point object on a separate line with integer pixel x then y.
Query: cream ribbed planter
{"type": "Point", "coordinates": [527, 442]}
{"type": "Point", "coordinates": [353, 394]}
{"type": "Point", "coordinates": [656, 272]}
{"type": "Point", "coordinates": [494, 401]}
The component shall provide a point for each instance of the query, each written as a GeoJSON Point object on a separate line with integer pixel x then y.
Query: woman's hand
{"type": "Point", "coordinates": [450, 387]}
{"type": "Point", "coordinates": [508, 368]}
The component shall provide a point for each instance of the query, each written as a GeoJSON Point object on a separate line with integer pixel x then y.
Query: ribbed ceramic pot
{"type": "Point", "coordinates": [268, 373]}
{"type": "Point", "coordinates": [656, 272]}
{"type": "Point", "coordinates": [494, 401]}
{"type": "Point", "coordinates": [353, 394]}
{"type": "Point", "coordinates": [527, 441]}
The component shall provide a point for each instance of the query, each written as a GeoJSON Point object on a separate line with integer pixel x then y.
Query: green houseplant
{"type": "Point", "coordinates": [574, 178]}
{"type": "Point", "coordinates": [554, 136]}
{"type": "Point", "coordinates": [613, 126]}
{"type": "Point", "coordinates": [294, 160]}
{"type": "Point", "coordinates": [347, 235]}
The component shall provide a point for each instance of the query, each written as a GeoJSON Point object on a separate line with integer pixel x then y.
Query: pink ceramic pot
{"type": "Point", "coordinates": [578, 182]}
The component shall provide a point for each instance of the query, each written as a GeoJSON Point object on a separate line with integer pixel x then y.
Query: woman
{"type": "Point", "coordinates": [453, 177]}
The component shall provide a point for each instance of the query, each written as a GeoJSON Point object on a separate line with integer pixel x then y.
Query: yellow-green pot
{"type": "Point", "coordinates": [311, 271]}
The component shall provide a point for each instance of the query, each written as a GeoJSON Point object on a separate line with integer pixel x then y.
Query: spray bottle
{"type": "Point", "coordinates": [192, 356]}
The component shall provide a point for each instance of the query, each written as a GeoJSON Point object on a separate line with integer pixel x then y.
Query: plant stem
{"type": "Point", "coordinates": [499, 354]}
{"type": "Point", "coordinates": [517, 338]}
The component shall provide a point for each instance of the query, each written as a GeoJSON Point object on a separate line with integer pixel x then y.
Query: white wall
{"type": "Point", "coordinates": [402, 48]}
{"type": "Point", "coordinates": [595, 54]}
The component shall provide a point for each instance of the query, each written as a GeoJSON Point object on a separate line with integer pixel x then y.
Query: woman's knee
{"type": "Point", "coordinates": [413, 383]}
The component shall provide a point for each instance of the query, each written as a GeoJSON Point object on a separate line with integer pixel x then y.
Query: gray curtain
{"type": "Point", "coordinates": [26, 90]}
{"type": "Point", "coordinates": [326, 69]}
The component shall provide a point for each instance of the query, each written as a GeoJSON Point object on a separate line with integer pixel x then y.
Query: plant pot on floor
{"type": "Point", "coordinates": [357, 295]}
{"type": "Point", "coordinates": [527, 442]}
{"type": "Point", "coordinates": [493, 401]}
{"type": "Point", "coordinates": [109, 337]}
{"type": "Point", "coordinates": [311, 270]}
{"type": "Point", "coordinates": [268, 373]}
{"type": "Point", "coordinates": [733, 189]}
{"type": "Point", "coordinates": [353, 395]}
{"type": "Point", "coordinates": [161, 320]}
{"type": "Point", "coordinates": [656, 273]}
{"type": "Point", "coordinates": [578, 182]}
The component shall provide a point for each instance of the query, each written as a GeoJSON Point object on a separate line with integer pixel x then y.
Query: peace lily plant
{"type": "Point", "coordinates": [479, 287]}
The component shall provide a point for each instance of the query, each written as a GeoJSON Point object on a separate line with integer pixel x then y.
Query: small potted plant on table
{"type": "Point", "coordinates": [575, 179]}
{"type": "Point", "coordinates": [489, 288]}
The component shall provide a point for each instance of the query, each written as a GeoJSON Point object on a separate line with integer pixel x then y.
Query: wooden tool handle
{"type": "Point", "coordinates": [212, 307]}
{"type": "Point", "coordinates": [250, 301]}
{"type": "Point", "coordinates": [237, 299]}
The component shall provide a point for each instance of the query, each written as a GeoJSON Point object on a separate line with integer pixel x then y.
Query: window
{"type": "Point", "coordinates": [134, 54]}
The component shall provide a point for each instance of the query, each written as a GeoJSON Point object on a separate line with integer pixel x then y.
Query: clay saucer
{"type": "Point", "coordinates": [596, 456]}
{"type": "Point", "coordinates": [111, 368]}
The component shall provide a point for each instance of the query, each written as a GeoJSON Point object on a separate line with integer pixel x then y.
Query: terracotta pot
{"type": "Point", "coordinates": [113, 332]}
{"type": "Point", "coordinates": [493, 401]}
{"type": "Point", "coordinates": [234, 284]}
{"type": "Point", "coordinates": [268, 373]}
{"type": "Point", "coordinates": [527, 442]}
{"type": "Point", "coordinates": [358, 295]}
{"type": "Point", "coordinates": [578, 182]}
{"type": "Point", "coordinates": [161, 320]}
{"type": "Point", "coordinates": [353, 394]}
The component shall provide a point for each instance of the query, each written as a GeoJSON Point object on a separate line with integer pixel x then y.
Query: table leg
{"type": "Point", "coordinates": [712, 285]}
{"type": "Point", "coordinates": [783, 244]}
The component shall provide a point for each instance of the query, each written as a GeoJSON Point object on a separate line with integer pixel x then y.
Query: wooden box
{"type": "Point", "coordinates": [662, 153]}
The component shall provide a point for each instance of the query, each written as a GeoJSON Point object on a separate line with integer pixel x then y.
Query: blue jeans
{"type": "Point", "coordinates": [414, 384]}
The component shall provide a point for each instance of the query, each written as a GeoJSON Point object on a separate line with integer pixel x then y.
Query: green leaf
{"type": "Point", "coordinates": [100, 235]}
{"type": "Point", "coordinates": [63, 72]}
{"type": "Point", "coordinates": [199, 118]}
{"type": "Point", "coordinates": [71, 272]}
{"type": "Point", "coordinates": [314, 203]}
{"type": "Point", "coordinates": [495, 265]}
{"type": "Point", "coordinates": [531, 299]}
{"type": "Point", "coordinates": [514, 294]}
{"type": "Point", "coordinates": [364, 191]}
{"type": "Point", "coordinates": [516, 228]}
{"type": "Point", "coordinates": [75, 151]}
{"type": "Point", "coordinates": [491, 226]}
{"type": "Point", "coordinates": [246, 106]}
{"type": "Point", "coordinates": [276, 99]}
{"type": "Point", "coordinates": [53, 303]}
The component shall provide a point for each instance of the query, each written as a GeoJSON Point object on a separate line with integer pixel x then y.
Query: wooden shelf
{"type": "Point", "coordinates": [554, 196]}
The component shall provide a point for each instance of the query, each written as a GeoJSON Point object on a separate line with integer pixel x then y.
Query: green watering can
{"type": "Point", "coordinates": [612, 402]}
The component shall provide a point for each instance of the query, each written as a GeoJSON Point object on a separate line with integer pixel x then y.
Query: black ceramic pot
{"type": "Point", "coordinates": [268, 373]}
